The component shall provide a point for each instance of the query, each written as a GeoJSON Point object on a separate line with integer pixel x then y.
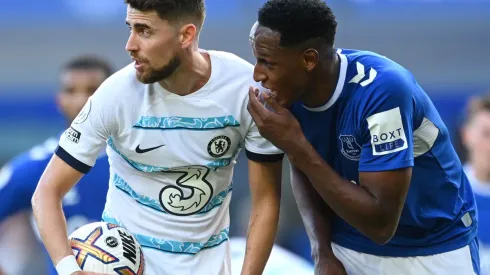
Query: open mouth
{"type": "Point", "coordinates": [138, 64]}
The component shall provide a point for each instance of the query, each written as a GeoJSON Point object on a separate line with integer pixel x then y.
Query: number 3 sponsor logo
{"type": "Point", "coordinates": [193, 178]}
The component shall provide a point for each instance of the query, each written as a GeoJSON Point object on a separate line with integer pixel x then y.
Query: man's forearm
{"type": "Point", "coordinates": [349, 201]}
{"type": "Point", "coordinates": [51, 223]}
{"type": "Point", "coordinates": [316, 215]}
{"type": "Point", "coordinates": [264, 219]}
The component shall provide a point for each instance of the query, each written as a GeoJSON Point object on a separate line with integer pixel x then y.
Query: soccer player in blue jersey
{"type": "Point", "coordinates": [79, 79]}
{"type": "Point", "coordinates": [377, 181]}
{"type": "Point", "coordinates": [475, 136]}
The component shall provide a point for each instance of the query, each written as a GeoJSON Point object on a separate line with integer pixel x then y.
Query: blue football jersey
{"type": "Point", "coordinates": [380, 119]}
{"type": "Point", "coordinates": [81, 205]}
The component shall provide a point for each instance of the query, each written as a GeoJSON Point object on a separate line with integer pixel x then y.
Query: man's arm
{"type": "Point", "coordinates": [55, 182]}
{"type": "Point", "coordinates": [77, 152]}
{"type": "Point", "coordinates": [385, 122]}
{"type": "Point", "coordinates": [316, 216]}
{"type": "Point", "coordinates": [373, 206]}
{"type": "Point", "coordinates": [265, 188]}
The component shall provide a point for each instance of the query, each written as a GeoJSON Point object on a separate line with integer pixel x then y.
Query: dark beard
{"type": "Point", "coordinates": [156, 75]}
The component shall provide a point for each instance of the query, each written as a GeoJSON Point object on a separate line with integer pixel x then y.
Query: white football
{"type": "Point", "coordinates": [107, 248]}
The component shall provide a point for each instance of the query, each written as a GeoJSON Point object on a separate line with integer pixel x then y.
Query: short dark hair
{"type": "Point", "coordinates": [172, 9]}
{"type": "Point", "coordinates": [299, 20]}
{"type": "Point", "coordinates": [89, 62]}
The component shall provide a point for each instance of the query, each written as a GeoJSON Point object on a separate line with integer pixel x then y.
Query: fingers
{"type": "Point", "coordinates": [261, 97]}
{"type": "Point", "coordinates": [254, 107]}
{"type": "Point", "coordinates": [254, 97]}
{"type": "Point", "coordinates": [272, 102]}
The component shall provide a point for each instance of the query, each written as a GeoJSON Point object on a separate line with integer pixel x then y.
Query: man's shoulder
{"type": "Point", "coordinates": [117, 97]}
{"type": "Point", "coordinates": [232, 62]}
{"type": "Point", "coordinates": [125, 74]}
{"type": "Point", "coordinates": [233, 77]}
{"type": "Point", "coordinates": [119, 85]}
{"type": "Point", "coordinates": [229, 57]}
{"type": "Point", "coordinates": [374, 79]}
{"type": "Point", "coordinates": [369, 59]}
{"type": "Point", "coordinates": [368, 70]}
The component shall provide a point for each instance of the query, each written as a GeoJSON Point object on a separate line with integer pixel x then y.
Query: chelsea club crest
{"type": "Point", "coordinates": [219, 146]}
{"type": "Point", "coordinates": [350, 148]}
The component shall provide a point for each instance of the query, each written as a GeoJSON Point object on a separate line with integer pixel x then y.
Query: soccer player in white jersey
{"type": "Point", "coordinates": [476, 139]}
{"type": "Point", "coordinates": [174, 122]}
{"type": "Point", "coordinates": [281, 260]}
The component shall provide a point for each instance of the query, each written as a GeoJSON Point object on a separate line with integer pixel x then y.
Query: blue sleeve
{"type": "Point", "coordinates": [18, 181]}
{"type": "Point", "coordinates": [387, 125]}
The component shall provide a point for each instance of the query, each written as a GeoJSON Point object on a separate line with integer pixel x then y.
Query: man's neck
{"type": "Point", "coordinates": [191, 76]}
{"type": "Point", "coordinates": [324, 83]}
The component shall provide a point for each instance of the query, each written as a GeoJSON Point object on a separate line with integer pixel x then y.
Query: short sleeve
{"type": "Point", "coordinates": [387, 126]}
{"type": "Point", "coordinates": [81, 143]}
{"type": "Point", "coordinates": [257, 148]}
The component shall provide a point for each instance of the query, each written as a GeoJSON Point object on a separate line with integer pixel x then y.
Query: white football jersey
{"type": "Point", "coordinates": [281, 261]}
{"type": "Point", "coordinates": [171, 160]}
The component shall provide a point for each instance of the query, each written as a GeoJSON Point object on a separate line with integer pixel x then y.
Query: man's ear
{"type": "Point", "coordinates": [310, 59]}
{"type": "Point", "coordinates": [188, 34]}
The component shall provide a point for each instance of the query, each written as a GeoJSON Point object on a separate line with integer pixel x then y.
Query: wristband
{"type": "Point", "coordinates": [67, 266]}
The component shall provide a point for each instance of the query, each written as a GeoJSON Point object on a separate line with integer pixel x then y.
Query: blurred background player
{"type": "Point", "coordinates": [281, 260]}
{"type": "Point", "coordinates": [19, 253]}
{"type": "Point", "coordinates": [475, 135]}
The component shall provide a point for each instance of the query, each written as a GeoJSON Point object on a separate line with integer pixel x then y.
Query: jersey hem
{"type": "Point", "coordinates": [263, 158]}
{"type": "Point", "coordinates": [72, 161]}
{"type": "Point", "coordinates": [407, 251]}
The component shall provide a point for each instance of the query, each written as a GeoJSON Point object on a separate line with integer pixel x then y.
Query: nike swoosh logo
{"type": "Point", "coordinates": [141, 151]}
